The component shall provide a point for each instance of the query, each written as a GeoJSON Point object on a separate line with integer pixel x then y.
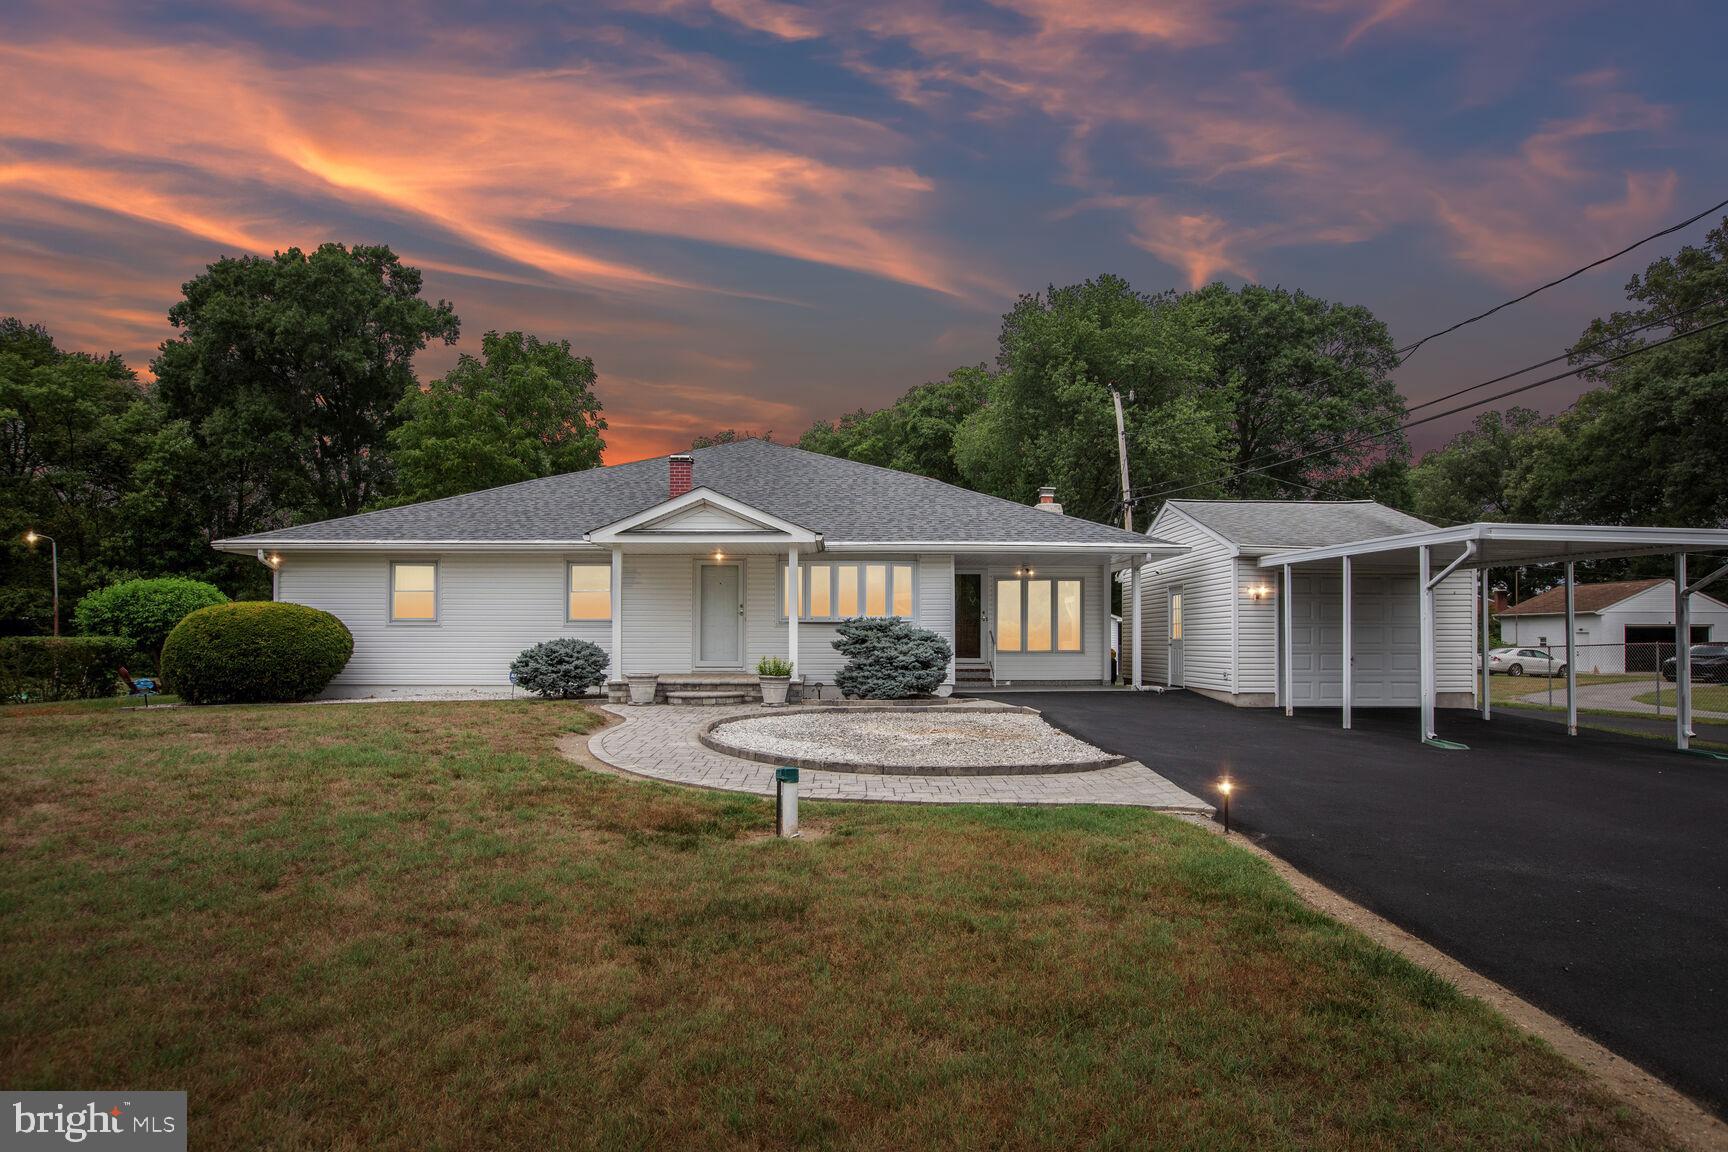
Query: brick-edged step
{"type": "Point", "coordinates": [712, 696]}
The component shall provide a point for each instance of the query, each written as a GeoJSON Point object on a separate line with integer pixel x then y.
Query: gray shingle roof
{"type": "Point", "coordinates": [1298, 523]}
{"type": "Point", "coordinates": [841, 499]}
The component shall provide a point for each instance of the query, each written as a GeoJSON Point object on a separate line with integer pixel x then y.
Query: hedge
{"type": "Point", "coordinates": [61, 668]}
{"type": "Point", "coordinates": [254, 651]}
{"type": "Point", "coordinates": [144, 610]}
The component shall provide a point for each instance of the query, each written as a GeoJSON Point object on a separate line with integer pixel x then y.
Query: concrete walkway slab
{"type": "Point", "coordinates": [661, 742]}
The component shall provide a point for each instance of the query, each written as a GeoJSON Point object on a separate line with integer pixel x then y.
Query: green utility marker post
{"type": "Point", "coordinates": [786, 802]}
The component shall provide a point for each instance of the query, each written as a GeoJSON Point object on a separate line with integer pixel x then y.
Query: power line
{"type": "Point", "coordinates": [1659, 322]}
{"type": "Point", "coordinates": [1669, 319]}
{"type": "Point", "coordinates": [1405, 352]}
{"type": "Point", "coordinates": [1642, 348]}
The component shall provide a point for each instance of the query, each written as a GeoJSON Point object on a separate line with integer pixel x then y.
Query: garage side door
{"type": "Point", "coordinates": [1387, 641]}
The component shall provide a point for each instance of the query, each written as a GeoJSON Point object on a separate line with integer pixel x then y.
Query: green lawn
{"type": "Point", "coordinates": [415, 926]}
{"type": "Point", "coordinates": [1705, 697]}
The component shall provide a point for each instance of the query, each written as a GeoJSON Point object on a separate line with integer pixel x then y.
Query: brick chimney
{"type": "Point", "coordinates": [1047, 500]}
{"type": "Point", "coordinates": [681, 474]}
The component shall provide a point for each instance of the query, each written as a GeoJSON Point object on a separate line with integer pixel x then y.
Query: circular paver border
{"type": "Point", "coordinates": [706, 735]}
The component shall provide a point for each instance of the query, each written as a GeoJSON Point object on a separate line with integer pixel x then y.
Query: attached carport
{"type": "Point", "coordinates": [1432, 556]}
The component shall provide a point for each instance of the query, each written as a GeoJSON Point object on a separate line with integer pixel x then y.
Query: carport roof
{"type": "Point", "coordinates": [1498, 545]}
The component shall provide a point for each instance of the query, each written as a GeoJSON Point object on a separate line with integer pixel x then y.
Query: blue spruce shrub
{"type": "Point", "coordinates": [561, 668]}
{"type": "Point", "coordinates": [889, 659]}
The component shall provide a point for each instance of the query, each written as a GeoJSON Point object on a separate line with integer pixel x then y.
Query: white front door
{"type": "Point", "coordinates": [720, 616]}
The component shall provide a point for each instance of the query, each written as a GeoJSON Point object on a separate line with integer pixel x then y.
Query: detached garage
{"type": "Point", "coordinates": [1213, 616]}
{"type": "Point", "coordinates": [1621, 626]}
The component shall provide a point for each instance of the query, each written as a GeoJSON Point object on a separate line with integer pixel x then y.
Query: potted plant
{"type": "Point", "coordinates": [643, 686]}
{"type": "Point", "coordinates": [776, 677]}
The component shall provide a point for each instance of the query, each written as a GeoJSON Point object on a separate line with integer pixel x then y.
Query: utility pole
{"type": "Point", "coordinates": [1122, 456]}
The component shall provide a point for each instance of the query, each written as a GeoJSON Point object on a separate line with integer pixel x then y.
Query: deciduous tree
{"type": "Point", "coordinates": [522, 409]}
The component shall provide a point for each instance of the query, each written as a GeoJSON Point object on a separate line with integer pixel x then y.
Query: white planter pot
{"type": "Point", "coordinates": [642, 688]}
{"type": "Point", "coordinates": [774, 689]}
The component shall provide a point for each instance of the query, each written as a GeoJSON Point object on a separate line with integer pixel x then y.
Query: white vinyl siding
{"type": "Point", "coordinates": [490, 607]}
{"type": "Point", "coordinates": [1203, 574]}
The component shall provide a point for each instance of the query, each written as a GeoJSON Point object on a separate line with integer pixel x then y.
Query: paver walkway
{"type": "Point", "coordinates": [660, 742]}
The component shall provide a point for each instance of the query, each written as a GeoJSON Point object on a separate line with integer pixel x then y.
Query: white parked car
{"type": "Point", "coordinates": [1522, 661]}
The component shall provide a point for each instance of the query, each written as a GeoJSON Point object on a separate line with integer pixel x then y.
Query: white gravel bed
{"type": "Point", "coordinates": [933, 739]}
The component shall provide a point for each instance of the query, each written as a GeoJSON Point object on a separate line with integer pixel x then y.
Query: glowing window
{"type": "Point", "coordinates": [414, 592]}
{"type": "Point", "coordinates": [875, 590]}
{"type": "Point", "coordinates": [903, 590]}
{"type": "Point", "coordinates": [590, 592]}
{"type": "Point", "coordinates": [1008, 615]}
{"type": "Point", "coordinates": [1068, 615]}
{"type": "Point", "coordinates": [848, 596]}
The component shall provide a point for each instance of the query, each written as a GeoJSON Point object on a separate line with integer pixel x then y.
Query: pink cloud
{"type": "Point", "coordinates": [187, 137]}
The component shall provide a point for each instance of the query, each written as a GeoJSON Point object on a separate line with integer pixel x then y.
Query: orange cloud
{"type": "Point", "coordinates": [508, 164]}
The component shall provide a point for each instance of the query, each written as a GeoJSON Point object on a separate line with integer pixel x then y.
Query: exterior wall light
{"type": "Point", "coordinates": [1257, 592]}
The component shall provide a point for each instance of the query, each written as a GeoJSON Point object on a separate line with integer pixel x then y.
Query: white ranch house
{"type": "Point", "coordinates": [679, 567]}
{"type": "Point", "coordinates": [689, 568]}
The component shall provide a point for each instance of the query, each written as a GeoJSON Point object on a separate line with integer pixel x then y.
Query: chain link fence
{"type": "Point", "coordinates": [1635, 679]}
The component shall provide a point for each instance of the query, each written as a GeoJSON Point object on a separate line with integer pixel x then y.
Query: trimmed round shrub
{"type": "Point", "coordinates": [144, 611]}
{"type": "Point", "coordinates": [560, 669]}
{"type": "Point", "coordinates": [254, 651]}
{"type": "Point", "coordinates": [61, 667]}
{"type": "Point", "coordinates": [888, 659]}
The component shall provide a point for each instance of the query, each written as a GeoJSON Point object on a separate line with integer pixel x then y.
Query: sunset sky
{"type": "Point", "coordinates": [755, 213]}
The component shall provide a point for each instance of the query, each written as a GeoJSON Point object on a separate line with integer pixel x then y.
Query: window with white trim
{"type": "Point", "coordinates": [414, 593]}
{"type": "Point", "coordinates": [831, 591]}
{"type": "Point", "coordinates": [1038, 614]}
{"type": "Point", "coordinates": [589, 593]}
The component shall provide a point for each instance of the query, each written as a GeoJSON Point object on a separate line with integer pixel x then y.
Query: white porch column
{"type": "Point", "coordinates": [1347, 646]}
{"type": "Point", "coordinates": [792, 605]}
{"type": "Point", "coordinates": [1571, 657]}
{"type": "Point", "coordinates": [1487, 622]}
{"type": "Point", "coordinates": [617, 614]}
{"type": "Point", "coordinates": [1104, 675]}
{"type": "Point", "coordinates": [1425, 643]}
{"type": "Point", "coordinates": [1682, 657]}
{"type": "Point", "coordinates": [1289, 644]}
{"type": "Point", "coordinates": [1134, 590]}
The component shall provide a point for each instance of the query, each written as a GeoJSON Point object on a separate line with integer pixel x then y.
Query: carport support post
{"type": "Point", "coordinates": [1571, 656]}
{"type": "Point", "coordinates": [1134, 591]}
{"type": "Point", "coordinates": [1347, 644]}
{"type": "Point", "coordinates": [1289, 643]}
{"type": "Point", "coordinates": [1682, 657]}
{"type": "Point", "coordinates": [1487, 617]}
{"type": "Point", "coordinates": [1425, 642]}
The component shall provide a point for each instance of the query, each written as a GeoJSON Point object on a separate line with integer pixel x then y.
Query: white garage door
{"type": "Point", "coordinates": [1386, 642]}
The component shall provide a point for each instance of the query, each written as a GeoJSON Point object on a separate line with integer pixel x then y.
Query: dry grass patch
{"type": "Point", "coordinates": [416, 926]}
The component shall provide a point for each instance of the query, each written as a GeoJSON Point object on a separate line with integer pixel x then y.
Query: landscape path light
{"type": "Point", "coordinates": [1225, 787]}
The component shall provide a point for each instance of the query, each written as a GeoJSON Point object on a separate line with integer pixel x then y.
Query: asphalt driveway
{"type": "Point", "coordinates": [1586, 873]}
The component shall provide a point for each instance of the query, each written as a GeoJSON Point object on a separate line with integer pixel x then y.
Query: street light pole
{"type": "Point", "coordinates": [30, 538]}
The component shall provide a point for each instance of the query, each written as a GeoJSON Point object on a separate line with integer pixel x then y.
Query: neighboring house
{"type": "Point", "coordinates": [1623, 626]}
{"type": "Point", "coordinates": [1212, 616]}
{"type": "Point", "coordinates": [679, 567]}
